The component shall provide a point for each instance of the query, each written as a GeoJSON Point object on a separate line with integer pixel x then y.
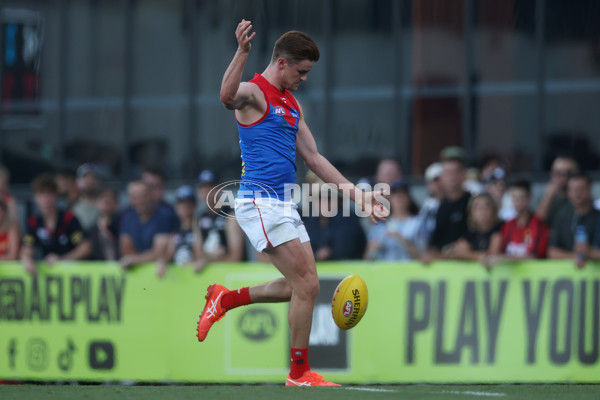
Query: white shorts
{"type": "Point", "coordinates": [269, 222]}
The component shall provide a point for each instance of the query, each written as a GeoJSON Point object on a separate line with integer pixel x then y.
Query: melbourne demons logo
{"type": "Point", "coordinates": [279, 110]}
{"type": "Point", "coordinates": [348, 307]}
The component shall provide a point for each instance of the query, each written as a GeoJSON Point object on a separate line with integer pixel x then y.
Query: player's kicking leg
{"type": "Point", "coordinates": [296, 262]}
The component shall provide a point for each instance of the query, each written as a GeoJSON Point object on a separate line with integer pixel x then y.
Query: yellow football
{"type": "Point", "coordinates": [349, 302]}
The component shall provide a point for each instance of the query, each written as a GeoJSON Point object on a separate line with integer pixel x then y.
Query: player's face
{"type": "Point", "coordinates": [296, 73]}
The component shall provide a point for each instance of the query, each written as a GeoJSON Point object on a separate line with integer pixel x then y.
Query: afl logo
{"type": "Point", "coordinates": [348, 307]}
{"type": "Point", "coordinates": [279, 110]}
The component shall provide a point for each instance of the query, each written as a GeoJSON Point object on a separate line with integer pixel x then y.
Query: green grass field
{"type": "Point", "coordinates": [268, 392]}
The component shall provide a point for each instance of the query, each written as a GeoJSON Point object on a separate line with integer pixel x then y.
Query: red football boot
{"type": "Point", "coordinates": [212, 310]}
{"type": "Point", "coordinates": [309, 378]}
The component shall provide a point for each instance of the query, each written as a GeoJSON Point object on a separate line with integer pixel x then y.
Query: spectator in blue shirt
{"type": "Point", "coordinates": [145, 228]}
{"type": "Point", "coordinates": [157, 182]}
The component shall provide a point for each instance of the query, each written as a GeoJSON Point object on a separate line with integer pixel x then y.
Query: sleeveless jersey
{"type": "Point", "coordinates": [268, 146]}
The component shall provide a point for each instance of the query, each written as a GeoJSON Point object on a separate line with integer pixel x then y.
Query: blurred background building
{"type": "Point", "coordinates": [132, 83]}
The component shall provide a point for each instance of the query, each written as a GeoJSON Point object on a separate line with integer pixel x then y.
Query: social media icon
{"type": "Point", "coordinates": [37, 354]}
{"type": "Point", "coordinates": [101, 355]}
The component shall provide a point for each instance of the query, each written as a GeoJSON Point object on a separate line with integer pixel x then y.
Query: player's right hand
{"type": "Point", "coordinates": [241, 33]}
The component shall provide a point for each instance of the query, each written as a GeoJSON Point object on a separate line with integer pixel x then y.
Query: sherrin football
{"type": "Point", "coordinates": [349, 302]}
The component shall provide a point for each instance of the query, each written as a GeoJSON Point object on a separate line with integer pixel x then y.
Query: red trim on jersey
{"type": "Point", "coordinates": [262, 223]}
{"type": "Point", "coordinates": [274, 98]}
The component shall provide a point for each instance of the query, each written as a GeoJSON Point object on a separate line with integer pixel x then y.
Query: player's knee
{"type": "Point", "coordinates": [310, 286]}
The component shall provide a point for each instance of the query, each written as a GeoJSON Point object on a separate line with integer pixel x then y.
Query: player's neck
{"type": "Point", "coordinates": [270, 74]}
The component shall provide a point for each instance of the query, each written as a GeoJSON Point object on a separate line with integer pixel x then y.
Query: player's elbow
{"type": "Point", "coordinates": [227, 101]}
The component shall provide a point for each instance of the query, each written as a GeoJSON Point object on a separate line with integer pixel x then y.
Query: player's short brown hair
{"type": "Point", "coordinates": [295, 46]}
{"type": "Point", "coordinates": [44, 183]}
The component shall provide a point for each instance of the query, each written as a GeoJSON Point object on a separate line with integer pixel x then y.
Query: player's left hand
{"type": "Point", "coordinates": [373, 204]}
{"type": "Point", "coordinates": [242, 35]}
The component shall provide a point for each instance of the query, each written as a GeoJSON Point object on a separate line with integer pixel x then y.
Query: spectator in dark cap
{"type": "Point", "coordinates": [54, 234]}
{"type": "Point", "coordinates": [104, 235]}
{"type": "Point", "coordinates": [220, 237]}
{"type": "Point", "coordinates": [495, 185]}
{"type": "Point", "coordinates": [183, 247]}
{"type": "Point", "coordinates": [88, 180]}
{"type": "Point", "coordinates": [88, 185]}
{"type": "Point", "coordinates": [401, 236]}
{"type": "Point", "coordinates": [207, 180]}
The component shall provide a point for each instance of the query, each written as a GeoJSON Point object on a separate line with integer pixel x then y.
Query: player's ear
{"type": "Point", "coordinates": [282, 63]}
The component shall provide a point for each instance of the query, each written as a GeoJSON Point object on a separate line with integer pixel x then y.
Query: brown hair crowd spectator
{"type": "Point", "coordinates": [53, 234]}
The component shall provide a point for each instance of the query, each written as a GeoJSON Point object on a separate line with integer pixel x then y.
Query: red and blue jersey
{"type": "Point", "coordinates": [269, 145]}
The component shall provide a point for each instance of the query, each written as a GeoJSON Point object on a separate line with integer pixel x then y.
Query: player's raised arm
{"type": "Point", "coordinates": [233, 94]}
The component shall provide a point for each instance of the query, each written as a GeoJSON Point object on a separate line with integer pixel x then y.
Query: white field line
{"type": "Point", "coordinates": [489, 394]}
{"type": "Point", "coordinates": [364, 389]}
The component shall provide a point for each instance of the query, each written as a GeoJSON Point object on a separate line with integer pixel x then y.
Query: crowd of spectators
{"type": "Point", "coordinates": [482, 215]}
{"type": "Point", "coordinates": [77, 216]}
{"type": "Point", "coordinates": [486, 217]}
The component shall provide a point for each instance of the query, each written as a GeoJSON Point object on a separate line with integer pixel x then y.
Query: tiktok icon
{"type": "Point", "coordinates": [65, 357]}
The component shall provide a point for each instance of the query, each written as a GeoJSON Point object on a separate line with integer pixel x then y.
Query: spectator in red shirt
{"type": "Point", "coordinates": [523, 237]}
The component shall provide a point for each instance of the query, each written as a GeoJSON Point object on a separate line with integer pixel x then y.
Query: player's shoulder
{"type": "Point", "coordinates": [251, 90]}
{"type": "Point", "coordinates": [249, 85]}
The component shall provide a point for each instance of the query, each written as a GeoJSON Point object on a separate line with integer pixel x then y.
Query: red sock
{"type": "Point", "coordinates": [299, 364]}
{"type": "Point", "coordinates": [236, 298]}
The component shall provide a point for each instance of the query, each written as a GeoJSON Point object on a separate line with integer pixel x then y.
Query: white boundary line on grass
{"type": "Point", "coordinates": [474, 393]}
{"type": "Point", "coordinates": [364, 389]}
